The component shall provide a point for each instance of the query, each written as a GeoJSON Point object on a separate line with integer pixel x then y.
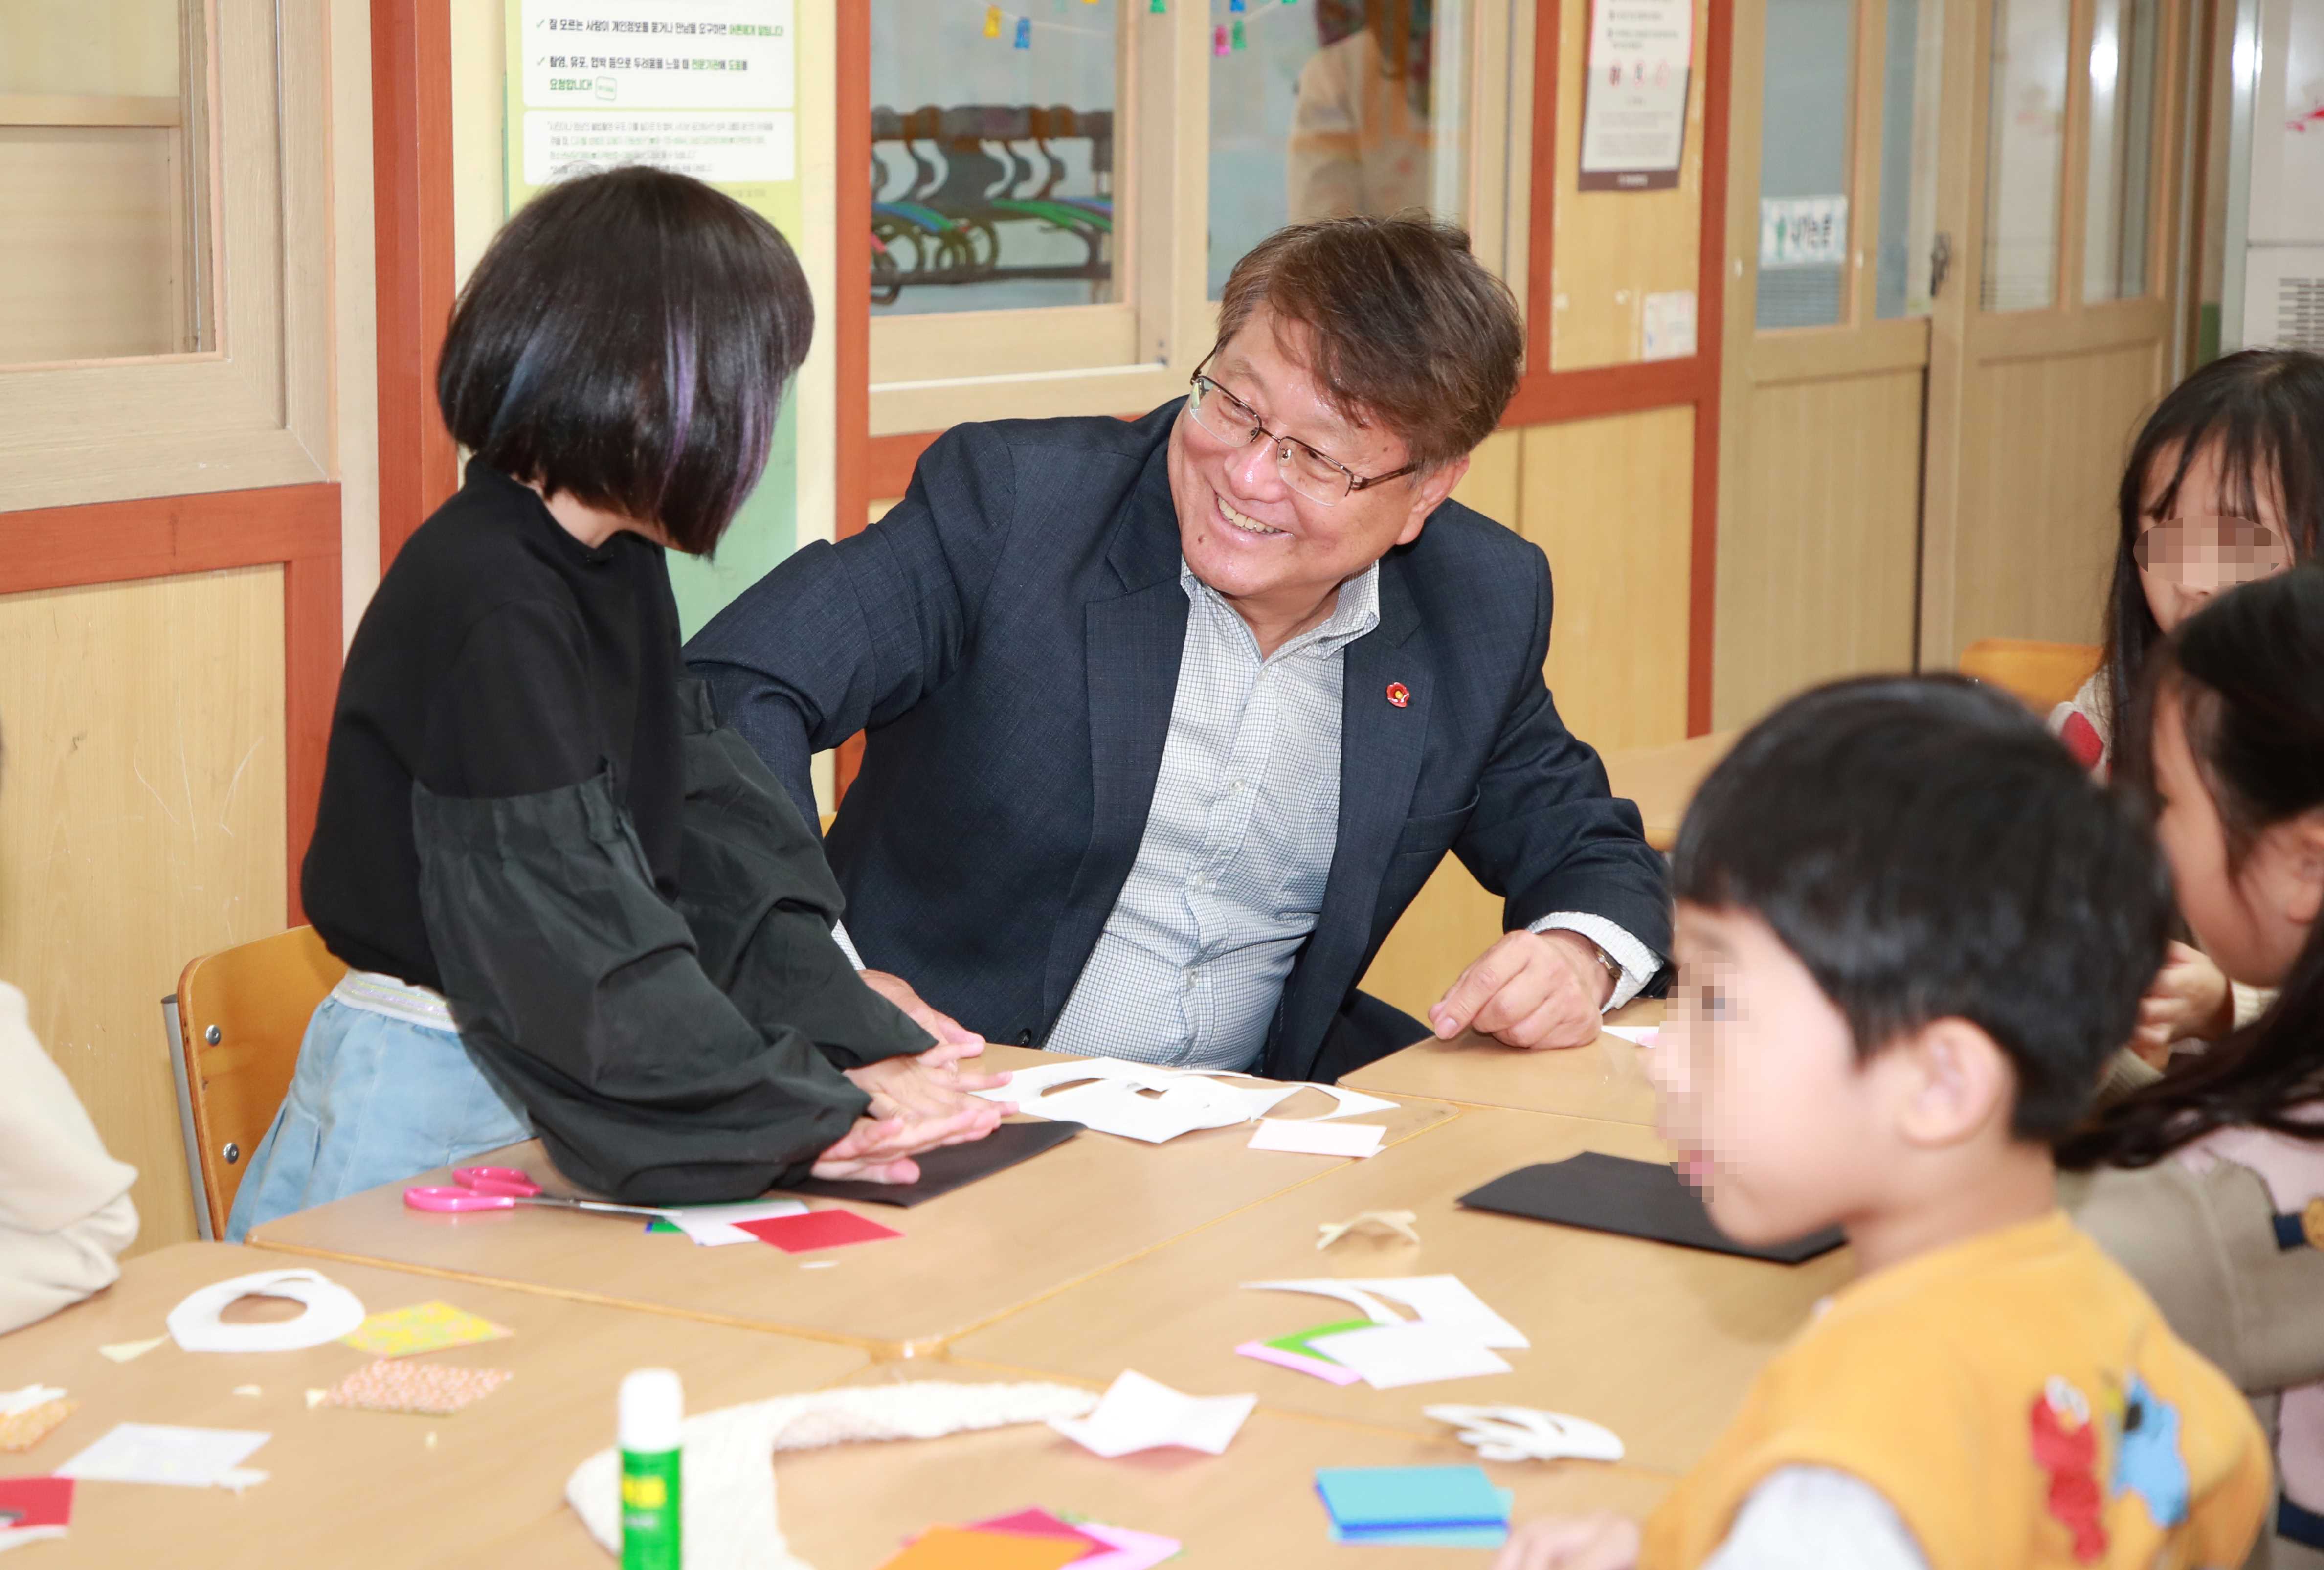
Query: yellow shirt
{"type": "Point", "coordinates": [2020, 1402]}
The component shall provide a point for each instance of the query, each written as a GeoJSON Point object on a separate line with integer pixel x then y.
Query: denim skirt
{"type": "Point", "coordinates": [375, 1097]}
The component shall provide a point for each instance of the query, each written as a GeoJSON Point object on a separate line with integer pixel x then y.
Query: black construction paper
{"type": "Point", "coordinates": [950, 1166]}
{"type": "Point", "coordinates": [1636, 1198]}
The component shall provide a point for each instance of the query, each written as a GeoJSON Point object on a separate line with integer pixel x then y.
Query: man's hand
{"type": "Point", "coordinates": [1531, 989]}
{"type": "Point", "coordinates": [899, 992]}
{"type": "Point", "coordinates": [2189, 997]}
{"type": "Point", "coordinates": [859, 1156]}
{"type": "Point", "coordinates": [1600, 1542]}
{"type": "Point", "coordinates": [931, 1094]}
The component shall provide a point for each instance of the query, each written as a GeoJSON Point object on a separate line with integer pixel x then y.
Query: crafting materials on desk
{"type": "Point", "coordinates": [33, 1509]}
{"type": "Point", "coordinates": [331, 1311]}
{"type": "Point", "coordinates": [124, 1351]}
{"type": "Point", "coordinates": [1528, 1434]}
{"type": "Point", "coordinates": [1295, 1353]}
{"type": "Point", "coordinates": [505, 1188]}
{"type": "Point", "coordinates": [429, 1326]}
{"type": "Point", "coordinates": [1399, 1221]}
{"type": "Point", "coordinates": [1634, 1199]}
{"type": "Point", "coordinates": [30, 1414]}
{"type": "Point", "coordinates": [1109, 1548]}
{"type": "Point", "coordinates": [1444, 1301]}
{"type": "Point", "coordinates": [1033, 1522]}
{"type": "Point", "coordinates": [1106, 1093]}
{"type": "Point", "coordinates": [729, 1503]}
{"type": "Point", "coordinates": [1447, 1507]}
{"type": "Point", "coordinates": [719, 1225]}
{"type": "Point", "coordinates": [950, 1166]}
{"type": "Point", "coordinates": [1313, 1136]}
{"type": "Point", "coordinates": [1415, 1353]}
{"type": "Point", "coordinates": [650, 1424]}
{"type": "Point", "coordinates": [432, 1389]}
{"type": "Point", "coordinates": [165, 1453]}
{"type": "Point", "coordinates": [965, 1548]}
{"type": "Point", "coordinates": [1142, 1414]}
{"type": "Point", "coordinates": [818, 1228]}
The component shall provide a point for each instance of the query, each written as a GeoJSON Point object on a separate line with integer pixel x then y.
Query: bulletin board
{"type": "Point", "coordinates": [706, 87]}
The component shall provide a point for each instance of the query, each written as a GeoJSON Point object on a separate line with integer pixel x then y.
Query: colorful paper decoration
{"type": "Point", "coordinates": [423, 1328]}
{"type": "Point", "coordinates": [1024, 32]}
{"type": "Point", "coordinates": [992, 22]}
{"type": "Point", "coordinates": [1218, 41]}
{"type": "Point", "coordinates": [432, 1389]}
{"type": "Point", "coordinates": [1238, 35]}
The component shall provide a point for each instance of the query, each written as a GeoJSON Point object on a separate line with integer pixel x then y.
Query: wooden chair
{"type": "Point", "coordinates": [2039, 675]}
{"type": "Point", "coordinates": [234, 1027]}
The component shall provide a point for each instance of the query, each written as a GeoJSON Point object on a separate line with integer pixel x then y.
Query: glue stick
{"type": "Point", "coordinates": [652, 1405]}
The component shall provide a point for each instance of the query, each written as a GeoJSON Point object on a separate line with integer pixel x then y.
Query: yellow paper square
{"type": "Point", "coordinates": [422, 1327]}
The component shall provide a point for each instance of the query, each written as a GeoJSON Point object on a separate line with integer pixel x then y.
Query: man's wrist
{"type": "Point", "coordinates": [1600, 972]}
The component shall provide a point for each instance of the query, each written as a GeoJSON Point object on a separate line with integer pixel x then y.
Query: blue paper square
{"type": "Point", "coordinates": [1370, 1498]}
{"type": "Point", "coordinates": [1427, 1537]}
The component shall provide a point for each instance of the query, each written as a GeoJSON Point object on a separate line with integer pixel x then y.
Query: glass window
{"type": "Point", "coordinates": [1330, 107]}
{"type": "Point", "coordinates": [2025, 152]}
{"type": "Point", "coordinates": [1804, 145]}
{"type": "Point", "coordinates": [2122, 111]}
{"type": "Point", "coordinates": [993, 151]}
{"type": "Point", "coordinates": [1910, 85]}
{"type": "Point", "coordinates": [103, 155]}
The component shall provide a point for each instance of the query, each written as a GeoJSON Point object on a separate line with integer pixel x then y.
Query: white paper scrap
{"type": "Point", "coordinates": [1353, 1103]}
{"type": "Point", "coordinates": [332, 1311]}
{"type": "Point", "coordinates": [1413, 1353]}
{"type": "Point", "coordinates": [1140, 1414]}
{"type": "Point", "coordinates": [714, 1226]}
{"type": "Point", "coordinates": [1110, 1096]}
{"type": "Point", "coordinates": [15, 1401]}
{"type": "Point", "coordinates": [1317, 1137]}
{"type": "Point", "coordinates": [1637, 1035]}
{"type": "Point", "coordinates": [164, 1453]}
{"type": "Point", "coordinates": [123, 1351]}
{"type": "Point", "coordinates": [1441, 1300]}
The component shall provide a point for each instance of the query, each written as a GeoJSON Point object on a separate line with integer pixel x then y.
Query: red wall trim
{"type": "Point", "coordinates": [1711, 341]}
{"type": "Point", "coordinates": [53, 548]}
{"type": "Point", "coordinates": [411, 183]}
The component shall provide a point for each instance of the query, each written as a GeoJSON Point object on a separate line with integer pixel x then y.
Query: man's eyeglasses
{"type": "Point", "coordinates": [1306, 471]}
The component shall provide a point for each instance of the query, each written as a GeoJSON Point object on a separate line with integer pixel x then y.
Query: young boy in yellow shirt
{"type": "Point", "coordinates": [1909, 932]}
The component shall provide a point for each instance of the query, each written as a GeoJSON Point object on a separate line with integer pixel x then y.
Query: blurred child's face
{"type": "Point", "coordinates": [2202, 545]}
{"type": "Point", "coordinates": [1762, 1100]}
{"type": "Point", "coordinates": [2252, 920]}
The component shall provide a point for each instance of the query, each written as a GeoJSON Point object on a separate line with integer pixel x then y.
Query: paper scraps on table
{"type": "Point", "coordinates": [948, 1167]}
{"type": "Point", "coordinates": [965, 1548]}
{"type": "Point", "coordinates": [1142, 1414]}
{"type": "Point", "coordinates": [1294, 1352]}
{"type": "Point", "coordinates": [427, 1326]}
{"type": "Point", "coordinates": [30, 1414]}
{"type": "Point", "coordinates": [1415, 1352]}
{"type": "Point", "coordinates": [432, 1389]}
{"type": "Point", "coordinates": [1399, 1221]}
{"type": "Point", "coordinates": [1109, 1548]}
{"type": "Point", "coordinates": [716, 1226]}
{"type": "Point", "coordinates": [817, 1228]}
{"type": "Point", "coordinates": [1440, 1300]}
{"type": "Point", "coordinates": [33, 1509]}
{"type": "Point", "coordinates": [331, 1311]}
{"type": "Point", "coordinates": [1038, 1523]}
{"type": "Point", "coordinates": [1637, 1035]}
{"type": "Point", "coordinates": [1315, 1137]}
{"type": "Point", "coordinates": [124, 1351]}
{"type": "Point", "coordinates": [1348, 1103]}
{"type": "Point", "coordinates": [1445, 1507]}
{"type": "Point", "coordinates": [1528, 1434]}
{"type": "Point", "coordinates": [1114, 1100]}
{"type": "Point", "coordinates": [165, 1453]}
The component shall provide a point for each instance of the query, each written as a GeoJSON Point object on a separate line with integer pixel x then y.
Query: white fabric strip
{"type": "Point", "coordinates": [374, 993]}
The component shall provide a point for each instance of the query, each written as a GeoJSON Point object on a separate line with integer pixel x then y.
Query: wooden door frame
{"type": "Point", "coordinates": [871, 468]}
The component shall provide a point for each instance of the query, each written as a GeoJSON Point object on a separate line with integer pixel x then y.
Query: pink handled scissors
{"type": "Point", "coordinates": [503, 1188]}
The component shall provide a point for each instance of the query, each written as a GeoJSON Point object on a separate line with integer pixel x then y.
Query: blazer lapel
{"type": "Point", "coordinates": [1132, 645]}
{"type": "Point", "coordinates": [1381, 746]}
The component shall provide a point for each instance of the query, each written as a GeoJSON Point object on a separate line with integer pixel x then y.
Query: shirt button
{"type": "Point", "coordinates": [1186, 982]}
{"type": "Point", "coordinates": [1193, 879]}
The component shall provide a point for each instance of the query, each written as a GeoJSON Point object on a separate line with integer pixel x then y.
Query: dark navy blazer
{"type": "Point", "coordinates": [1010, 634]}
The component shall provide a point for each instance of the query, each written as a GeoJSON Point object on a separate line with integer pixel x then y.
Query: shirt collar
{"type": "Point", "coordinates": [1356, 613]}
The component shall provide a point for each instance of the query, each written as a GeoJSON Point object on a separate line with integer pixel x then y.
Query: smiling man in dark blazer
{"type": "Point", "coordinates": [1169, 720]}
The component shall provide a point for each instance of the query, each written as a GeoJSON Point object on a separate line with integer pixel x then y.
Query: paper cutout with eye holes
{"type": "Point", "coordinates": [1144, 1101]}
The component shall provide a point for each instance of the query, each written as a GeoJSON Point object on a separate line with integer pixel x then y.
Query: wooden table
{"type": "Point", "coordinates": [965, 1259]}
{"type": "Point", "coordinates": [1662, 780]}
{"type": "Point", "coordinates": [1657, 1342]}
{"type": "Point", "coordinates": [1605, 1079]}
{"type": "Point", "coordinates": [356, 1488]}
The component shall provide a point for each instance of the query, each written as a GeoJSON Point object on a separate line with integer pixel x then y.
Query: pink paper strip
{"type": "Point", "coordinates": [1132, 1550]}
{"type": "Point", "coordinates": [1331, 1372]}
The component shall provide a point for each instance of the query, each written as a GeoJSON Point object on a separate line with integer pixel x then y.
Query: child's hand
{"type": "Point", "coordinates": [1598, 1542]}
{"type": "Point", "coordinates": [929, 1094]}
{"type": "Point", "coordinates": [2187, 998]}
{"type": "Point", "coordinates": [866, 1155]}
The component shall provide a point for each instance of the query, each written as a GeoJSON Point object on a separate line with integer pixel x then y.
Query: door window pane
{"type": "Point", "coordinates": [1332, 107]}
{"type": "Point", "coordinates": [1804, 159]}
{"type": "Point", "coordinates": [1911, 81]}
{"type": "Point", "coordinates": [2024, 150]}
{"type": "Point", "coordinates": [2122, 111]}
{"type": "Point", "coordinates": [993, 155]}
{"type": "Point", "coordinates": [104, 252]}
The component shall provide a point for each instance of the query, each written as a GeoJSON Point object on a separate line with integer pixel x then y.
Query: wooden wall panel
{"type": "Point", "coordinates": [1817, 565]}
{"type": "Point", "coordinates": [2042, 455]}
{"type": "Point", "coordinates": [1610, 249]}
{"type": "Point", "coordinates": [93, 267]}
{"type": "Point", "coordinates": [142, 812]}
{"type": "Point", "coordinates": [1612, 501]}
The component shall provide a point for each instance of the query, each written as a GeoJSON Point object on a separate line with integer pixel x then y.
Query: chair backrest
{"type": "Point", "coordinates": [241, 1013]}
{"type": "Point", "coordinates": [2039, 675]}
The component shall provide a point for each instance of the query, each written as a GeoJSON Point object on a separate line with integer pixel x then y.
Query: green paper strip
{"type": "Point", "coordinates": [1296, 1343]}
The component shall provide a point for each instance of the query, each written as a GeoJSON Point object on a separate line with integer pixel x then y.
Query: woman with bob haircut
{"type": "Point", "coordinates": [571, 905]}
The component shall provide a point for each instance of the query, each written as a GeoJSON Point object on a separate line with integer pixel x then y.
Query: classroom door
{"type": "Point", "coordinates": [1831, 219]}
{"type": "Point", "coordinates": [2057, 334]}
